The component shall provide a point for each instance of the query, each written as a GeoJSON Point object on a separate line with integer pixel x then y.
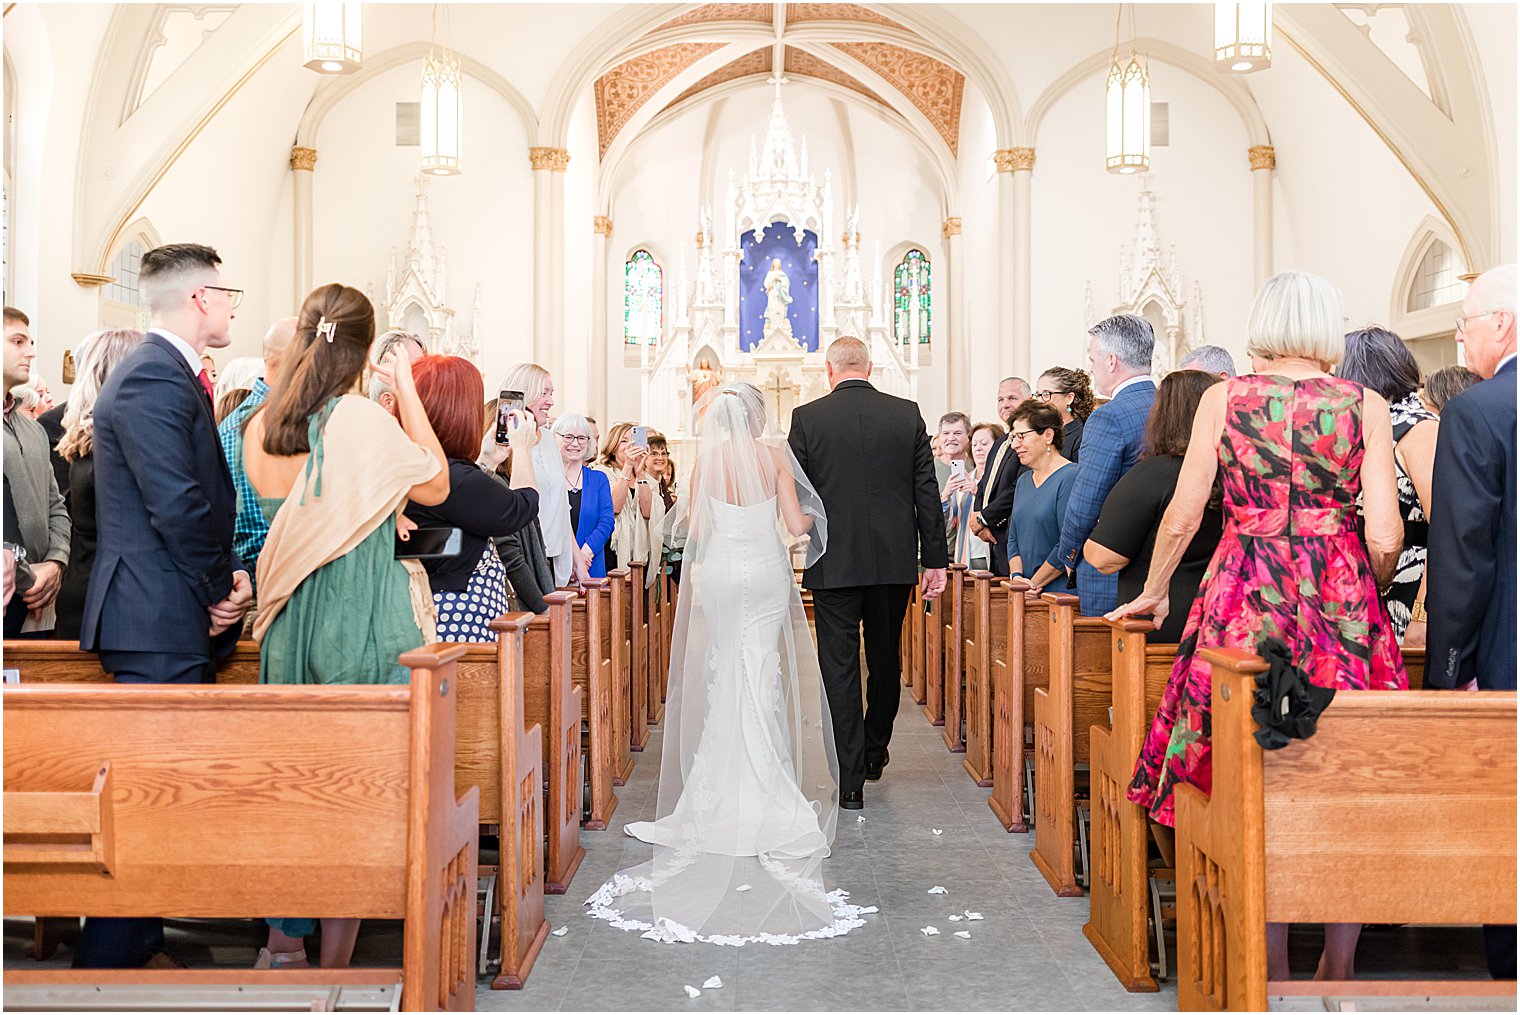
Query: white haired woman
{"type": "Point", "coordinates": [564, 555]}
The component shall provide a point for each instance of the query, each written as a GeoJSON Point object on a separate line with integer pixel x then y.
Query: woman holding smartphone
{"type": "Point", "coordinates": [637, 504]}
{"type": "Point", "coordinates": [470, 589]}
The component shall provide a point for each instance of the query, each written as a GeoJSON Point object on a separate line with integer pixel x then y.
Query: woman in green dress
{"type": "Point", "coordinates": [333, 471]}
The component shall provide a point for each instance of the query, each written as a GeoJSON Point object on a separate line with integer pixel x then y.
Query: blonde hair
{"type": "Point", "coordinates": [1297, 313]}
{"type": "Point", "coordinates": [608, 456]}
{"type": "Point", "coordinates": [529, 378]}
{"type": "Point", "coordinates": [99, 354]}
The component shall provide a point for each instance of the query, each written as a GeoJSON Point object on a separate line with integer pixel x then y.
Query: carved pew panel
{"type": "Point", "coordinates": [552, 700]}
{"type": "Point", "coordinates": [1026, 668]}
{"type": "Point", "coordinates": [638, 657]}
{"type": "Point", "coordinates": [198, 826]}
{"type": "Point", "coordinates": [591, 674]}
{"type": "Point", "coordinates": [1271, 844]}
{"type": "Point", "coordinates": [957, 596]}
{"type": "Point", "coordinates": [654, 640]}
{"type": "Point", "coordinates": [913, 648]}
{"type": "Point", "coordinates": [986, 642]}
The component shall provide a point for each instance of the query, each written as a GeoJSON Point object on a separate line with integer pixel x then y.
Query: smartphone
{"type": "Point", "coordinates": [639, 435]}
{"type": "Point", "coordinates": [429, 544]}
{"type": "Point", "coordinates": [509, 412]}
{"type": "Point", "coordinates": [957, 469]}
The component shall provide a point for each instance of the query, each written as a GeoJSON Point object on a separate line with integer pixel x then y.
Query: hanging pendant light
{"type": "Point", "coordinates": [332, 41]}
{"type": "Point", "coordinates": [1242, 37]}
{"type": "Point", "coordinates": [1129, 109]}
{"type": "Point", "coordinates": [442, 111]}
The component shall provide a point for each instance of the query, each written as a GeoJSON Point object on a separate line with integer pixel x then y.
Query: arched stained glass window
{"type": "Point", "coordinates": [643, 299]}
{"type": "Point", "coordinates": [910, 286]}
{"type": "Point", "coordinates": [1435, 280]}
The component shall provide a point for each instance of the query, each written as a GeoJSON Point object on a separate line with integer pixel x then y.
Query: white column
{"type": "Point", "coordinates": [957, 351]}
{"type": "Point", "coordinates": [602, 228]}
{"type": "Point", "coordinates": [303, 165]}
{"type": "Point", "coordinates": [549, 165]}
{"type": "Point", "coordinates": [1263, 159]}
{"type": "Point", "coordinates": [1015, 167]}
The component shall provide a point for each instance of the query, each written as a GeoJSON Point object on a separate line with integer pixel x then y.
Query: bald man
{"type": "Point", "coordinates": [250, 528]}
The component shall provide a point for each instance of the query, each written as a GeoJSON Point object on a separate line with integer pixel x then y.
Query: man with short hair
{"type": "Point", "coordinates": [1470, 579]}
{"type": "Point", "coordinates": [867, 453]}
{"type": "Point", "coordinates": [35, 516]}
{"type": "Point", "coordinates": [954, 436]}
{"type": "Point", "coordinates": [1119, 350]}
{"type": "Point", "coordinates": [379, 391]}
{"type": "Point", "coordinates": [1211, 359]}
{"type": "Point", "coordinates": [993, 504]}
{"type": "Point", "coordinates": [250, 529]}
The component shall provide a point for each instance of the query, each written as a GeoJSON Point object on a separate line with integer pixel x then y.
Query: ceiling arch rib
{"type": "Point", "coordinates": [624, 89]}
{"type": "Point", "coordinates": [934, 87]}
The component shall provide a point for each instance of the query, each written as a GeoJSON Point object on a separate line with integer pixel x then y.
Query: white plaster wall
{"type": "Point", "coordinates": [984, 275]}
{"type": "Point", "coordinates": [573, 385]}
{"type": "Point", "coordinates": [1493, 30]}
{"type": "Point", "coordinates": [364, 200]}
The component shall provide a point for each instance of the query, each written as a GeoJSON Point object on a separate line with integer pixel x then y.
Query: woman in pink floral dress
{"type": "Point", "coordinates": [1292, 447]}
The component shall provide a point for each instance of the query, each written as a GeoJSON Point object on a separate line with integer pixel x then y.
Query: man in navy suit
{"type": "Point", "coordinates": [167, 594]}
{"type": "Point", "coordinates": [1119, 352]}
{"type": "Point", "coordinates": [1470, 582]}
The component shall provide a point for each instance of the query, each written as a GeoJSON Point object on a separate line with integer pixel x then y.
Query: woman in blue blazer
{"type": "Point", "coordinates": [588, 492]}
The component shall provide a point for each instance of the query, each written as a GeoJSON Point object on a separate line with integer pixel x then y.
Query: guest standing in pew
{"type": "Point", "coordinates": [1446, 384]}
{"type": "Point", "coordinates": [957, 490]}
{"type": "Point", "coordinates": [1125, 536]}
{"type": "Point", "coordinates": [994, 493]}
{"type": "Point", "coordinates": [332, 473]}
{"type": "Point", "coordinates": [1379, 359]}
{"type": "Point", "coordinates": [1044, 488]}
{"type": "Point", "coordinates": [661, 469]}
{"type": "Point", "coordinates": [470, 590]}
{"type": "Point", "coordinates": [103, 353]}
{"type": "Point", "coordinates": [1472, 524]}
{"type": "Point", "coordinates": [250, 528]}
{"type": "Point", "coordinates": [1211, 359]}
{"type": "Point", "coordinates": [639, 532]}
{"type": "Point", "coordinates": [1070, 393]}
{"type": "Point", "coordinates": [588, 493]}
{"type": "Point", "coordinates": [1293, 448]}
{"type": "Point", "coordinates": [1120, 350]}
{"type": "Point", "coordinates": [984, 436]}
{"type": "Point", "coordinates": [529, 576]}
{"type": "Point", "coordinates": [167, 593]}
{"type": "Point", "coordinates": [560, 546]}
{"type": "Point", "coordinates": [403, 343]}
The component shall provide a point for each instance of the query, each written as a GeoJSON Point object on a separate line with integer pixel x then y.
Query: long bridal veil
{"type": "Point", "coordinates": [749, 779]}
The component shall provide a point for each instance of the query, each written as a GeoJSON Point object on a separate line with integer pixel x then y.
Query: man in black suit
{"type": "Point", "coordinates": [167, 594]}
{"type": "Point", "coordinates": [867, 454]}
{"type": "Point", "coordinates": [1470, 579]}
{"type": "Point", "coordinates": [993, 504]}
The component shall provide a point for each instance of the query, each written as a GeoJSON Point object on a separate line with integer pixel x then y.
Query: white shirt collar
{"type": "Point", "coordinates": [184, 348]}
{"type": "Point", "coordinates": [1504, 361]}
{"type": "Point", "coordinates": [1133, 380]}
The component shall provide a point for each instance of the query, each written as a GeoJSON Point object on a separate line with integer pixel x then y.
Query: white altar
{"type": "Point", "coordinates": [704, 348]}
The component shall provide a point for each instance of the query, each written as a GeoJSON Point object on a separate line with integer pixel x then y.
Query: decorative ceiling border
{"type": "Point", "coordinates": [709, 13]}
{"type": "Point", "coordinates": [623, 89]}
{"type": "Point", "coordinates": [933, 86]}
{"type": "Point", "coordinates": [802, 13]}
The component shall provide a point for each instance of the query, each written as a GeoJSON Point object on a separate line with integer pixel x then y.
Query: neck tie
{"type": "Point", "coordinates": [207, 386]}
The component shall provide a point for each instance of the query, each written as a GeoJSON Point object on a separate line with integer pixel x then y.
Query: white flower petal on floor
{"type": "Point", "coordinates": [973, 916]}
{"type": "Point", "coordinates": [929, 931]}
{"type": "Point", "coordinates": [939, 890]}
{"type": "Point", "coordinates": [937, 831]}
{"type": "Point", "coordinates": [561, 932]}
{"type": "Point", "coordinates": [713, 983]}
{"type": "Point", "coordinates": [742, 888]}
{"type": "Point", "coordinates": [957, 918]}
{"type": "Point", "coordinates": [692, 991]}
{"type": "Point", "coordinates": [860, 819]}
{"type": "Point", "coordinates": [963, 933]}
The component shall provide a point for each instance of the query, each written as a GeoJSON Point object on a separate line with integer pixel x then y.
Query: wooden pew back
{"type": "Point", "coordinates": [57, 662]}
{"type": "Point", "coordinates": [986, 645]}
{"type": "Point", "coordinates": [553, 700]}
{"type": "Point", "coordinates": [590, 669]}
{"type": "Point", "coordinates": [1026, 668]}
{"type": "Point", "coordinates": [249, 802]}
{"type": "Point", "coordinates": [638, 656]}
{"type": "Point", "coordinates": [958, 602]}
{"type": "Point", "coordinates": [1400, 809]}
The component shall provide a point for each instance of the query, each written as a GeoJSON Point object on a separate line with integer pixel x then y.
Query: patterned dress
{"type": "Point", "coordinates": [1291, 564]}
{"type": "Point", "coordinates": [1405, 414]}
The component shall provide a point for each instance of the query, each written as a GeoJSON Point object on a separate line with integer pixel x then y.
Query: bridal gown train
{"type": "Point", "coordinates": [748, 800]}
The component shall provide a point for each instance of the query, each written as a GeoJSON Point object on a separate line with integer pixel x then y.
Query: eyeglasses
{"type": "Point", "coordinates": [1044, 396]}
{"type": "Point", "coordinates": [234, 296]}
{"type": "Point", "coordinates": [1017, 436]}
{"type": "Point", "coordinates": [1462, 321]}
{"type": "Point", "coordinates": [574, 438]}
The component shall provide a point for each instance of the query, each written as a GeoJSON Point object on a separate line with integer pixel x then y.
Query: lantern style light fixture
{"type": "Point", "coordinates": [332, 40]}
{"type": "Point", "coordinates": [1129, 108]}
{"type": "Point", "coordinates": [442, 111]}
{"type": "Point", "coordinates": [1242, 37]}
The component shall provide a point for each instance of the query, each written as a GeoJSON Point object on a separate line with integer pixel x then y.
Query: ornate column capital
{"type": "Point", "coordinates": [601, 225]}
{"type": "Point", "coordinates": [88, 280]}
{"type": "Point", "coordinates": [952, 227]}
{"type": "Point", "coordinates": [303, 158]}
{"type": "Point", "coordinates": [1262, 156]}
{"type": "Point", "coordinates": [1014, 160]}
{"type": "Point", "coordinates": [556, 160]}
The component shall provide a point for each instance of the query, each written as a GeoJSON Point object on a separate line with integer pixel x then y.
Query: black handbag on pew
{"type": "Point", "coordinates": [1287, 704]}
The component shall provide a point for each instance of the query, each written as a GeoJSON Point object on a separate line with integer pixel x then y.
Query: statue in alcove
{"type": "Point", "coordinates": [778, 296]}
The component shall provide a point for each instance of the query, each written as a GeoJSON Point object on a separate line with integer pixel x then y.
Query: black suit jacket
{"type": "Point", "coordinates": [164, 507]}
{"type": "Point", "coordinates": [1470, 579]}
{"type": "Point", "coordinates": [994, 498]}
{"type": "Point", "coordinates": [867, 454]}
{"type": "Point", "coordinates": [52, 425]}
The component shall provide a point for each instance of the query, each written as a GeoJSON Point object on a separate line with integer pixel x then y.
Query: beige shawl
{"type": "Point", "coordinates": [367, 466]}
{"type": "Point", "coordinates": [635, 537]}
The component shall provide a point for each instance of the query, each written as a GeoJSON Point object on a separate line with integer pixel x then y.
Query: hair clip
{"type": "Point", "coordinates": [326, 329]}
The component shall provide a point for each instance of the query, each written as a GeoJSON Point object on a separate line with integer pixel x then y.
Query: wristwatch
{"type": "Point", "coordinates": [1417, 612]}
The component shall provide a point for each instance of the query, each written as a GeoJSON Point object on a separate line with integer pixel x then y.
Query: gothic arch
{"type": "Point", "coordinates": [1432, 322]}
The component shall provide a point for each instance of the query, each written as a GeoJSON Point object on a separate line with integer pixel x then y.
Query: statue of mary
{"type": "Point", "coordinates": [778, 297]}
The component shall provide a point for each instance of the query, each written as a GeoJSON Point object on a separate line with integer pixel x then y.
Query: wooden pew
{"type": "Point", "coordinates": [64, 662]}
{"type": "Point", "coordinates": [553, 700]}
{"type": "Point", "coordinates": [1400, 809]}
{"type": "Point", "coordinates": [635, 658]}
{"type": "Point", "coordinates": [672, 598]}
{"type": "Point", "coordinates": [620, 656]}
{"type": "Point", "coordinates": [910, 645]}
{"type": "Point", "coordinates": [1026, 668]}
{"type": "Point", "coordinates": [1076, 697]}
{"type": "Point", "coordinates": [591, 672]}
{"type": "Point", "coordinates": [952, 682]}
{"type": "Point", "coordinates": [986, 642]}
{"type": "Point", "coordinates": [654, 636]}
{"type": "Point", "coordinates": [160, 800]}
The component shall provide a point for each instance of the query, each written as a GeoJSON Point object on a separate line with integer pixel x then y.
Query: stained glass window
{"type": "Point", "coordinates": [643, 299]}
{"type": "Point", "coordinates": [910, 286]}
{"type": "Point", "coordinates": [1435, 281]}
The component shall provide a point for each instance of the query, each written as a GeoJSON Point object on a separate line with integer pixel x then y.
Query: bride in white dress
{"type": "Point", "coordinates": [749, 778]}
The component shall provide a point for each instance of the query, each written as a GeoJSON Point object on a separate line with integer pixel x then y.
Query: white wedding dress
{"type": "Point", "coordinates": [748, 798]}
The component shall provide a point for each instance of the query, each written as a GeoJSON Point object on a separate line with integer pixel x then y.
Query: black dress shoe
{"type": "Point", "coordinates": [873, 768]}
{"type": "Point", "coordinates": [852, 801]}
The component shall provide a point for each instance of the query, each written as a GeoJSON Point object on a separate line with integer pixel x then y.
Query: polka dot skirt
{"type": "Point", "coordinates": [465, 616]}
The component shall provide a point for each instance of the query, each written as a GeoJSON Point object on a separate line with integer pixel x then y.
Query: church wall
{"type": "Point", "coordinates": [984, 274]}
{"type": "Point", "coordinates": [580, 208]}
{"type": "Point", "coordinates": [1493, 34]}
